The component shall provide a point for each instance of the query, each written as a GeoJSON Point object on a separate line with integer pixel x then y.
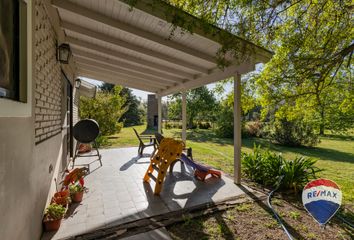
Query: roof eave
{"type": "Point", "coordinates": [160, 8]}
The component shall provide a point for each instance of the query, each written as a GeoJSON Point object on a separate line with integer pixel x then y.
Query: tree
{"type": "Point", "coordinates": [134, 114]}
{"type": "Point", "coordinates": [225, 117]}
{"type": "Point", "coordinates": [200, 105]}
{"type": "Point", "coordinates": [108, 87]}
{"type": "Point", "coordinates": [312, 42]}
{"type": "Point", "coordinates": [106, 108]}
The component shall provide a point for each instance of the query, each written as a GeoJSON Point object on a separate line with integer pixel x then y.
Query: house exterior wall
{"type": "Point", "coordinates": [48, 82]}
{"type": "Point", "coordinates": [32, 153]}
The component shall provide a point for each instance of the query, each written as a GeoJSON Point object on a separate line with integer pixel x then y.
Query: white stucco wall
{"type": "Point", "coordinates": [30, 159]}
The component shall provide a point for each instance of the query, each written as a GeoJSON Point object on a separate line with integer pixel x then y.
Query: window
{"type": "Point", "coordinates": [13, 50]}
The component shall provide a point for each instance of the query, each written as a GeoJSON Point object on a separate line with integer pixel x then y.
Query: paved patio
{"type": "Point", "coordinates": [117, 194]}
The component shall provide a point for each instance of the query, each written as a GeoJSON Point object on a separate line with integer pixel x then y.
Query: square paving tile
{"type": "Point", "coordinates": [117, 194]}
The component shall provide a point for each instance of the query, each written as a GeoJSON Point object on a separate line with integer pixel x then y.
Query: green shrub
{"type": "Point", "coordinates": [262, 166]}
{"type": "Point", "coordinates": [177, 125]}
{"type": "Point", "coordinates": [225, 121]}
{"type": "Point", "coordinates": [267, 168]}
{"type": "Point", "coordinates": [168, 126]}
{"type": "Point", "coordinates": [106, 108]}
{"type": "Point", "coordinates": [294, 133]}
{"type": "Point", "coordinates": [102, 141]}
{"type": "Point", "coordinates": [298, 172]}
{"type": "Point", "coordinates": [252, 129]}
{"type": "Point", "coordinates": [204, 125]}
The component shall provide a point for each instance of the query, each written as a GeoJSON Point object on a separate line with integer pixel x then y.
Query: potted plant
{"type": "Point", "coordinates": [61, 197]}
{"type": "Point", "coordinates": [76, 192]}
{"type": "Point", "coordinates": [84, 148]}
{"type": "Point", "coordinates": [53, 216]}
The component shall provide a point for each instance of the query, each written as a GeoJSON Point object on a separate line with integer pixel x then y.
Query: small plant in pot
{"type": "Point", "coordinates": [62, 197]}
{"type": "Point", "coordinates": [53, 216]}
{"type": "Point", "coordinates": [76, 192]}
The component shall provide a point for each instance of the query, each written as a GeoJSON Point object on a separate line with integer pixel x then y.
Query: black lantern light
{"type": "Point", "coordinates": [77, 83]}
{"type": "Point", "coordinates": [63, 53]}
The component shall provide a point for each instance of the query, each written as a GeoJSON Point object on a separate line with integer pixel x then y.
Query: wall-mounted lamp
{"type": "Point", "coordinates": [77, 83]}
{"type": "Point", "coordinates": [63, 53]}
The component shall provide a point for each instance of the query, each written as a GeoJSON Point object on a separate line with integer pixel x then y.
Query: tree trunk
{"type": "Point", "coordinates": [190, 124]}
{"type": "Point", "coordinates": [322, 124]}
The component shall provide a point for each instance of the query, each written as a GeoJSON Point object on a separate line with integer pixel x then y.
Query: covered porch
{"type": "Point", "coordinates": [142, 46]}
{"type": "Point", "coordinates": [139, 47]}
{"type": "Point", "coordinates": [117, 195]}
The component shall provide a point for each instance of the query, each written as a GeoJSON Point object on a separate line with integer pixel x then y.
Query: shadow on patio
{"type": "Point", "coordinates": [117, 194]}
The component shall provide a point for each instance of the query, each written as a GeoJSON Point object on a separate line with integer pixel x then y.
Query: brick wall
{"type": "Point", "coordinates": [48, 88]}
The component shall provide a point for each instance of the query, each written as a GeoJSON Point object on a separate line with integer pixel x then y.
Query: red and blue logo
{"type": "Point", "coordinates": [322, 199]}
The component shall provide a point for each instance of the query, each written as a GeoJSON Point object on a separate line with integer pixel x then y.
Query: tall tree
{"type": "Point", "coordinates": [108, 87]}
{"type": "Point", "coordinates": [135, 114]}
{"type": "Point", "coordinates": [313, 45]}
{"type": "Point", "coordinates": [200, 105]}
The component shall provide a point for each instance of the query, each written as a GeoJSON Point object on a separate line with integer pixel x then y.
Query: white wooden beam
{"type": "Point", "coordinates": [184, 116]}
{"type": "Point", "coordinates": [120, 43]}
{"type": "Point", "coordinates": [127, 28]}
{"type": "Point", "coordinates": [159, 115]}
{"type": "Point", "coordinates": [237, 128]}
{"type": "Point", "coordinates": [123, 72]}
{"type": "Point", "coordinates": [132, 79]}
{"type": "Point", "coordinates": [109, 78]}
{"type": "Point", "coordinates": [79, 54]}
{"type": "Point", "coordinates": [215, 76]}
{"type": "Point", "coordinates": [128, 58]}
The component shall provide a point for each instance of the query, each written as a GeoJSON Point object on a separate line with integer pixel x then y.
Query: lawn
{"type": "Point", "coordinates": [335, 154]}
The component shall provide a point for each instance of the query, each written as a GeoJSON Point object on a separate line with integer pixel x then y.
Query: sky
{"type": "Point", "coordinates": [143, 94]}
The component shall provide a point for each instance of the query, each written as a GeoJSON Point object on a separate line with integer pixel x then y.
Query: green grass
{"type": "Point", "coordinates": [335, 154]}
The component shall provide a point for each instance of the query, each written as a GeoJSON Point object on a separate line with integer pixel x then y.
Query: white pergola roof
{"type": "Point", "coordinates": [87, 89]}
{"type": "Point", "coordinates": [114, 43]}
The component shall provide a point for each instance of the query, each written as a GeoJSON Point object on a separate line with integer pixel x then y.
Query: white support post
{"type": "Point", "coordinates": [159, 115]}
{"type": "Point", "coordinates": [237, 128]}
{"type": "Point", "coordinates": [184, 116]}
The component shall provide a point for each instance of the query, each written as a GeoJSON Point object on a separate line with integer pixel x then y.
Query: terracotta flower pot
{"type": "Point", "coordinates": [52, 225]}
{"type": "Point", "coordinates": [84, 148]}
{"type": "Point", "coordinates": [77, 197]}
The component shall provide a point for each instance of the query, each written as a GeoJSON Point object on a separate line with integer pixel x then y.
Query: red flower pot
{"type": "Point", "coordinates": [52, 225]}
{"type": "Point", "coordinates": [77, 197]}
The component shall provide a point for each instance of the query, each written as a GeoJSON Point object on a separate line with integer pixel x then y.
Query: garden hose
{"type": "Point", "coordinates": [279, 220]}
{"type": "Point", "coordinates": [345, 221]}
{"type": "Point", "coordinates": [274, 212]}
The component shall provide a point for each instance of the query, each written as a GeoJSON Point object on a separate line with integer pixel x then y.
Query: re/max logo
{"type": "Point", "coordinates": [323, 193]}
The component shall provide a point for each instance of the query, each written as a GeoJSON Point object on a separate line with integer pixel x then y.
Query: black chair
{"type": "Point", "coordinates": [158, 137]}
{"type": "Point", "coordinates": [142, 144]}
